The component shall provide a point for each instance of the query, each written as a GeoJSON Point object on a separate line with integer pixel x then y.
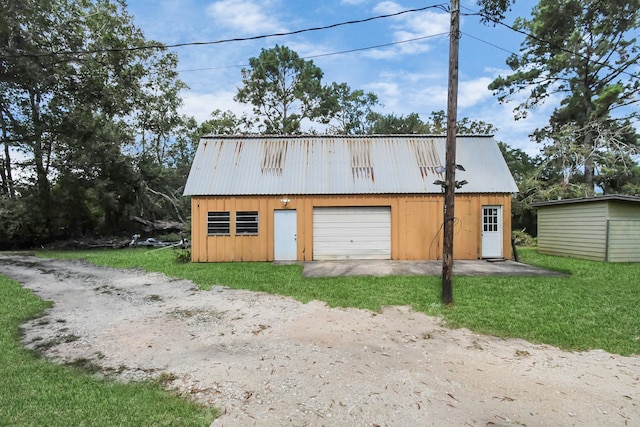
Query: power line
{"type": "Point", "coordinates": [236, 39]}
{"type": "Point", "coordinates": [342, 52]}
{"type": "Point", "coordinates": [489, 43]}
{"type": "Point", "coordinates": [379, 46]}
{"type": "Point", "coordinates": [443, 7]}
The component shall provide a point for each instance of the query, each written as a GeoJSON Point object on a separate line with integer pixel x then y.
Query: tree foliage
{"type": "Point", "coordinates": [80, 113]}
{"type": "Point", "coordinates": [354, 109]}
{"type": "Point", "coordinates": [584, 53]}
{"type": "Point", "coordinates": [494, 10]}
{"type": "Point", "coordinates": [388, 124]}
{"type": "Point", "coordinates": [435, 124]}
{"type": "Point", "coordinates": [285, 89]}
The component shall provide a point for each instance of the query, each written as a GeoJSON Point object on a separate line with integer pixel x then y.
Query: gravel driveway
{"type": "Point", "coordinates": [271, 361]}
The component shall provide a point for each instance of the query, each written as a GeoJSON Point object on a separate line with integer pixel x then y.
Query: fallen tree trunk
{"type": "Point", "coordinates": [159, 225]}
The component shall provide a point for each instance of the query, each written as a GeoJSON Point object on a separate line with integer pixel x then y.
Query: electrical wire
{"type": "Point", "coordinates": [321, 55]}
{"type": "Point", "coordinates": [443, 7]}
{"type": "Point", "coordinates": [236, 39]}
{"type": "Point", "coordinates": [488, 43]}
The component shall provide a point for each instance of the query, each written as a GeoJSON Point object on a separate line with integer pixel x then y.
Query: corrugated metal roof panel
{"type": "Point", "coordinates": [589, 199]}
{"type": "Point", "coordinates": [395, 164]}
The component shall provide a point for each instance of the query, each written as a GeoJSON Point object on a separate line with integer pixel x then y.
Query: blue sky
{"type": "Point", "coordinates": [407, 77]}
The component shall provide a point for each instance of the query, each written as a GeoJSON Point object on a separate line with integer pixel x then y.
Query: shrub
{"type": "Point", "coordinates": [182, 256]}
{"type": "Point", "coordinates": [522, 238]}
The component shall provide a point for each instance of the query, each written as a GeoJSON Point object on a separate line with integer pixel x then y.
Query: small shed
{"type": "Point", "coordinates": [601, 228]}
{"type": "Point", "coordinates": [329, 197]}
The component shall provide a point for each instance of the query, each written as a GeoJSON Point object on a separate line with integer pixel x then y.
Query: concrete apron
{"type": "Point", "coordinates": [421, 268]}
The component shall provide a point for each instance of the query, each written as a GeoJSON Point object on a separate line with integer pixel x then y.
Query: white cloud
{"type": "Point", "coordinates": [381, 53]}
{"type": "Point", "coordinates": [473, 92]}
{"type": "Point", "coordinates": [308, 49]}
{"type": "Point", "coordinates": [422, 78]}
{"type": "Point", "coordinates": [425, 23]}
{"type": "Point", "coordinates": [201, 105]}
{"type": "Point", "coordinates": [411, 26]}
{"type": "Point", "coordinates": [389, 93]}
{"type": "Point", "coordinates": [434, 98]}
{"type": "Point", "coordinates": [417, 24]}
{"type": "Point", "coordinates": [387, 7]}
{"type": "Point", "coordinates": [245, 16]}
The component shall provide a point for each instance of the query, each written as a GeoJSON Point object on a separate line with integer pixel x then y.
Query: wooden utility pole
{"type": "Point", "coordinates": [450, 161]}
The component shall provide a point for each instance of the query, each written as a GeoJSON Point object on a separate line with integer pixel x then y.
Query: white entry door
{"type": "Point", "coordinates": [492, 232]}
{"type": "Point", "coordinates": [285, 229]}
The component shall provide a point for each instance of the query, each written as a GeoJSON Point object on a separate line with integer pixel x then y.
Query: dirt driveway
{"type": "Point", "coordinates": [271, 361]}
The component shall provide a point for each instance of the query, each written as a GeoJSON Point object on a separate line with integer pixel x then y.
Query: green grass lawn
{"type": "Point", "coordinates": [596, 307]}
{"type": "Point", "coordinates": [37, 393]}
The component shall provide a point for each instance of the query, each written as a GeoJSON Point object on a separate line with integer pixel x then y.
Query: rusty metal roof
{"type": "Point", "coordinates": [330, 164]}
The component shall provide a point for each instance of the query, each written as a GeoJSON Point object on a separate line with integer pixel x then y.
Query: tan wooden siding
{"type": "Point", "coordinates": [624, 240]}
{"type": "Point", "coordinates": [573, 230]}
{"type": "Point", "coordinates": [420, 230]}
{"type": "Point", "coordinates": [416, 225]}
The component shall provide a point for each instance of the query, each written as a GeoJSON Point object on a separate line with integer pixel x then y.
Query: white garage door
{"type": "Point", "coordinates": [352, 233]}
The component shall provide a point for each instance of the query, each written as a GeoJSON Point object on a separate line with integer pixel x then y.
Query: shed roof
{"type": "Point", "coordinates": [329, 164]}
{"type": "Point", "coordinates": [602, 198]}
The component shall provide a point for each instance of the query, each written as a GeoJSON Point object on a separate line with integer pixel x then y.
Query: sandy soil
{"type": "Point", "coordinates": [271, 361]}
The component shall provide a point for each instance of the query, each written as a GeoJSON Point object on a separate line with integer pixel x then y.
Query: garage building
{"type": "Point", "coordinates": [303, 198]}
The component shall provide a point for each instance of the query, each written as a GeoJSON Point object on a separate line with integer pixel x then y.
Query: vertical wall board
{"type": "Point", "coordinates": [476, 224]}
{"type": "Point", "coordinates": [194, 229]}
{"type": "Point", "coordinates": [394, 230]}
{"type": "Point", "coordinates": [305, 226]}
{"type": "Point", "coordinates": [422, 234]}
{"type": "Point", "coordinates": [506, 219]}
{"type": "Point", "coordinates": [204, 238]}
{"type": "Point", "coordinates": [271, 205]}
{"type": "Point", "coordinates": [263, 229]}
{"type": "Point", "coordinates": [229, 242]}
{"type": "Point", "coordinates": [238, 242]}
{"type": "Point", "coordinates": [464, 237]}
{"type": "Point", "coordinates": [244, 249]}
{"type": "Point", "coordinates": [308, 215]}
{"type": "Point", "coordinates": [197, 236]}
{"type": "Point", "coordinates": [208, 243]}
{"type": "Point", "coordinates": [211, 241]}
{"type": "Point", "coordinates": [399, 250]}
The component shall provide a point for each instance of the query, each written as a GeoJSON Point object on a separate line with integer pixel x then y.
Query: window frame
{"type": "Point", "coordinates": [490, 219]}
{"type": "Point", "coordinates": [249, 227]}
{"type": "Point", "coordinates": [216, 220]}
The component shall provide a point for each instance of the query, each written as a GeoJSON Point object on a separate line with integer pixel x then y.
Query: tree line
{"type": "Point", "coordinates": [93, 143]}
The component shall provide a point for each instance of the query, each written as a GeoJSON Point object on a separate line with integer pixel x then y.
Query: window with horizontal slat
{"type": "Point", "coordinates": [218, 223]}
{"type": "Point", "coordinates": [246, 222]}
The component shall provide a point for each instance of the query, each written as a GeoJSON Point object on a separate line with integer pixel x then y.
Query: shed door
{"type": "Point", "coordinates": [492, 232]}
{"type": "Point", "coordinates": [352, 233]}
{"type": "Point", "coordinates": [285, 229]}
